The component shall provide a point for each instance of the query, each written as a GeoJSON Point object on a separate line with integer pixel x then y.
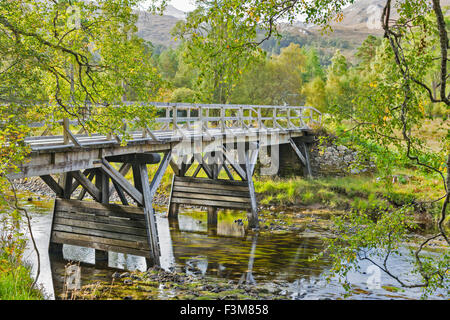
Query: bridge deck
{"type": "Point", "coordinates": [269, 125]}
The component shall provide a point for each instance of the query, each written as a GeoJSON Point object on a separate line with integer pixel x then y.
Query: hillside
{"type": "Point", "coordinates": [156, 28]}
{"type": "Point", "coordinates": [361, 19]}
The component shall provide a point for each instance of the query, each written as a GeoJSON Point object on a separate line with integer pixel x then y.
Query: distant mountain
{"type": "Point", "coordinates": [365, 15]}
{"type": "Point", "coordinates": [156, 28]}
{"type": "Point", "coordinates": [361, 19]}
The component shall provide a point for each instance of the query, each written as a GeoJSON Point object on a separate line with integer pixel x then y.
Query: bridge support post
{"type": "Point", "coordinates": [212, 220]}
{"type": "Point", "coordinates": [102, 184]}
{"type": "Point", "coordinates": [250, 163]}
{"type": "Point", "coordinates": [213, 192]}
{"type": "Point", "coordinates": [96, 224]}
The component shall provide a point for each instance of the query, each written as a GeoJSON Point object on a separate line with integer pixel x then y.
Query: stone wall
{"type": "Point", "coordinates": [327, 158]}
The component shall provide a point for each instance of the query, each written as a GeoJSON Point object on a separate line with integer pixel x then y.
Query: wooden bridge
{"type": "Point", "coordinates": [222, 143]}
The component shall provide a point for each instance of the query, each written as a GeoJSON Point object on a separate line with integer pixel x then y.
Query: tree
{"type": "Point", "coordinates": [207, 43]}
{"type": "Point", "coordinates": [59, 59]}
{"type": "Point", "coordinates": [277, 80]}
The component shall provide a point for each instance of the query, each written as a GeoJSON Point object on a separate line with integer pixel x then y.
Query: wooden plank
{"type": "Point", "coordinates": [297, 151]}
{"type": "Point", "coordinates": [101, 226]}
{"type": "Point", "coordinates": [148, 191]}
{"type": "Point", "coordinates": [99, 208]}
{"type": "Point", "coordinates": [236, 167]}
{"type": "Point", "coordinates": [156, 181]}
{"type": "Point", "coordinates": [205, 203]}
{"type": "Point", "coordinates": [244, 194]}
{"type": "Point", "coordinates": [90, 242]}
{"type": "Point", "coordinates": [138, 158]}
{"type": "Point", "coordinates": [76, 184]}
{"type": "Point", "coordinates": [99, 233]}
{"type": "Point", "coordinates": [95, 239]}
{"type": "Point", "coordinates": [122, 181]}
{"type": "Point", "coordinates": [210, 197]}
{"type": "Point", "coordinates": [87, 185]}
{"type": "Point", "coordinates": [123, 171]}
{"type": "Point", "coordinates": [211, 186]}
{"type": "Point", "coordinates": [83, 191]}
{"type": "Point", "coordinates": [253, 215]}
{"type": "Point", "coordinates": [48, 179]}
{"type": "Point", "coordinates": [308, 163]}
{"type": "Point", "coordinates": [210, 181]}
{"type": "Point", "coordinates": [66, 183]}
{"type": "Point", "coordinates": [102, 219]}
{"type": "Point", "coordinates": [201, 163]}
{"type": "Point", "coordinates": [119, 191]}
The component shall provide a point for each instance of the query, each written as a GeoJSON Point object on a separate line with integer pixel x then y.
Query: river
{"type": "Point", "coordinates": [228, 252]}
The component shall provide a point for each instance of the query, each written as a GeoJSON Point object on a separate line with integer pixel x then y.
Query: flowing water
{"type": "Point", "coordinates": [226, 252]}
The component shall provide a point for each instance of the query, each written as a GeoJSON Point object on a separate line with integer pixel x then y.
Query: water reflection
{"type": "Point", "coordinates": [188, 244]}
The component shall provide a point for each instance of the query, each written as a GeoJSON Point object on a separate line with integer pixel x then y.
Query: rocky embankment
{"type": "Point", "coordinates": [331, 159]}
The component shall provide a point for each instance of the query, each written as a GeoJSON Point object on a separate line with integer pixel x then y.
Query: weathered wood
{"type": "Point", "coordinates": [66, 183]}
{"type": "Point", "coordinates": [119, 191]}
{"type": "Point", "coordinates": [137, 177]}
{"type": "Point", "coordinates": [215, 191]}
{"type": "Point", "coordinates": [83, 191]}
{"type": "Point", "coordinates": [87, 185]}
{"type": "Point", "coordinates": [228, 172]}
{"type": "Point", "coordinates": [99, 243]}
{"type": "Point", "coordinates": [298, 152]}
{"type": "Point", "coordinates": [149, 216]}
{"type": "Point", "coordinates": [252, 216]}
{"type": "Point", "coordinates": [210, 197]}
{"type": "Point", "coordinates": [156, 181]}
{"type": "Point", "coordinates": [217, 182]}
{"type": "Point", "coordinates": [116, 210]}
{"type": "Point", "coordinates": [308, 163]}
{"type": "Point", "coordinates": [99, 233]}
{"type": "Point", "coordinates": [202, 163]}
{"type": "Point", "coordinates": [236, 167]}
{"type": "Point", "coordinates": [48, 179]}
{"type": "Point", "coordinates": [136, 158]}
{"type": "Point", "coordinates": [76, 184]}
{"type": "Point", "coordinates": [206, 185]}
{"type": "Point", "coordinates": [172, 212]}
{"type": "Point", "coordinates": [122, 182]}
{"type": "Point", "coordinates": [219, 204]}
{"type": "Point", "coordinates": [111, 220]}
{"type": "Point", "coordinates": [100, 226]}
{"type": "Point", "coordinates": [124, 169]}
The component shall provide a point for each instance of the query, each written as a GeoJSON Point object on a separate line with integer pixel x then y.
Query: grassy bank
{"type": "Point", "coordinates": [15, 280]}
{"type": "Point", "coordinates": [358, 191]}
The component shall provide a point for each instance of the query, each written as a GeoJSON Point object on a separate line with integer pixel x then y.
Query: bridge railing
{"type": "Point", "coordinates": [175, 120]}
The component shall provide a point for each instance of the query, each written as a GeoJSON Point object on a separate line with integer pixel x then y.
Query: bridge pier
{"type": "Point", "coordinates": [213, 191]}
{"type": "Point", "coordinates": [295, 158]}
{"type": "Point", "coordinates": [104, 226]}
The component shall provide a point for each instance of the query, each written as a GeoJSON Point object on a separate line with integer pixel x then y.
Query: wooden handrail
{"type": "Point", "coordinates": [182, 117]}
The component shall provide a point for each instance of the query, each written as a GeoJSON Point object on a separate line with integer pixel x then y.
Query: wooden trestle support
{"type": "Point", "coordinates": [213, 192]}
{"type": "Point", "coordinates": [103, 226]}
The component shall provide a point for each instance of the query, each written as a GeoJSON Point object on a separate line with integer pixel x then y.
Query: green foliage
{"type": "Point", "coordinates": [185, 95]}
